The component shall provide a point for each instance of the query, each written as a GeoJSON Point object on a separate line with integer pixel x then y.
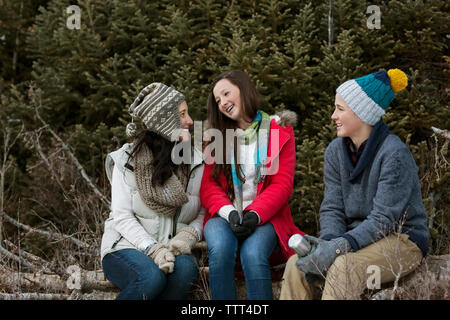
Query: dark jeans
{"type": "Point", "coordinates": [139, 278]}
{"type": "Point", "coordinates": [254, 253]}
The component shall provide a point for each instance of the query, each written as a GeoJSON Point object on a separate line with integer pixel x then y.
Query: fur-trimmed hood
{"type": "Point", "coordinates": [287, 118]}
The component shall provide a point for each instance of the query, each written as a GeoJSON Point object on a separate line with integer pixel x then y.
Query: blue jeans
{"type": "Point", "coordinates": [254, 253]}
{"type": "Point", "coordinates": [139, 278]}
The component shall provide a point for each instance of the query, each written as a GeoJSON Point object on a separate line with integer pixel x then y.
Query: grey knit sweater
{"type": "Point", "coordinates": [365, 203]}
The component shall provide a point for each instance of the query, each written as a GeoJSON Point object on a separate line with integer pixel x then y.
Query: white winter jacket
{"type": "Point", "coordinates": [132, 224]}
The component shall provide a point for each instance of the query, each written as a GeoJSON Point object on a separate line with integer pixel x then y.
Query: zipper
{"type": "Point", "coordinates": [116, 242]}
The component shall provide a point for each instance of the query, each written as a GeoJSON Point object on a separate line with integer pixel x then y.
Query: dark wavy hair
{"type": "Point", "coordinates": [250, 100]}
{"type": "Point", "coordinates": [161, 150]}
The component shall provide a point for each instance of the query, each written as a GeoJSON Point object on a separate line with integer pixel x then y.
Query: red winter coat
{"type": "Point", "coordinates": [271, 202]}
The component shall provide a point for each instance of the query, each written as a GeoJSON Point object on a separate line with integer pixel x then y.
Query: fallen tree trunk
{"type": "Point", "coordinates": [84, 281]}
{"type": "Point", "coordinates": [33, 296]}
{"type": "Point", "coordinates": [58, 296]}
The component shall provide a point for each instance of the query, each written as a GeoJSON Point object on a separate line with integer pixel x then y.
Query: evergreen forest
{"type": "Point", "coordinates": [65, 90]}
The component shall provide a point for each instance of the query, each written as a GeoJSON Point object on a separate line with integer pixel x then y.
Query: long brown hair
{"type": "Point", "coordinates": [250, 102]}
{"type": "Point", "coordinates": [162, 160]}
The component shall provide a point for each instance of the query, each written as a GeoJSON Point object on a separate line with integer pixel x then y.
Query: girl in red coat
{"type": "Point", "coordinates": [246, 188]}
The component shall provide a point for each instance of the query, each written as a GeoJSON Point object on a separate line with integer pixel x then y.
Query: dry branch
{"type": "Point", "coordinates": [75, 160]}
{"type": "Point", "coordinates": [443, 133]}
{"type": "Point", "coordinates": [430, 280]}
{"type": "Point", "coordinates": [46, 234]}
{"type": "Point", "coordinates": [45, 159]}
{"type": "Point", "coordinates": [43, 264]}
{"type": "Point", "coordinates": [18, 259]}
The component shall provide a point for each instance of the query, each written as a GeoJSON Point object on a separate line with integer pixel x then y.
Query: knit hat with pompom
{"type": "Point", "coordinates": [370, 95]}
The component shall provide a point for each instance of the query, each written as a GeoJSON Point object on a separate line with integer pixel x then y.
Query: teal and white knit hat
{"type": "Point", "coordinates": [370, 95]}
{"type": "Point", "coordinates": [157, 107]}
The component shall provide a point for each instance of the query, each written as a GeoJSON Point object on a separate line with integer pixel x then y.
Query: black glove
{"type": "Point", "coordinates": [236, 226]}
{"type": "Point", "coordinates": [250, 222]}
{"type": "Point", "coordinates": [245, 227]}
{"type": "Point", "coordinates": [235, 221]}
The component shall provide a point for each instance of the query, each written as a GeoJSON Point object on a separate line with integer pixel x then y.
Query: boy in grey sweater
{"type": "Point", "coordinates": [373, 225]}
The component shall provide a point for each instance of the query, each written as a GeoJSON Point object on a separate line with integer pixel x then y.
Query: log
{"type": "Point", "coordinates": [87, 281]}
{"type": "Point", "coordinates": [14, 281]}
{"type": "Point", "coordinates": [58, 296]}
{"type": "Point", "coordinates": [33, 296]}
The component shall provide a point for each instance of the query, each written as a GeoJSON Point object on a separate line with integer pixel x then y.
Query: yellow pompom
{"type": "Point", "coordinates": [399, 80]}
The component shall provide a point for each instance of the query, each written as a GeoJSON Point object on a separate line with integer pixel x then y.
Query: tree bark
{"type": "Point", "coordinates": [89, 280]}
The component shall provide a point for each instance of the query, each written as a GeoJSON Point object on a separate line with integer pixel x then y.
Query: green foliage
{"type": "Point", "coordinates": [308, 188]}
{"type": "Point", "coordinates": [16, 19]}
{"type": "Point", "coordinates": [87, 78]}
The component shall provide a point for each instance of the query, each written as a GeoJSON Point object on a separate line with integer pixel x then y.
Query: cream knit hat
{"type": "Point", "coordinates": [157, 107]}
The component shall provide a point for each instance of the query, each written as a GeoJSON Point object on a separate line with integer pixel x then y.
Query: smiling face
{"type": "Point", "coordinates": [348, 124]}
{"type": "Point", "coordinates": [229, 102]}
{"type": "Point", "coordinates": [186, 120]}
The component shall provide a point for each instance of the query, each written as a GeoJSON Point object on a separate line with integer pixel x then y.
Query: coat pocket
{"type": "Point", "coordinates": [151, 225]}
{"type": "Point", "coordinates": [149, 219]}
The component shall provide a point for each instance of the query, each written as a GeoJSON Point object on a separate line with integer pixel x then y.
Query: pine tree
{"type": "Point", "coordinates": [87, 78]}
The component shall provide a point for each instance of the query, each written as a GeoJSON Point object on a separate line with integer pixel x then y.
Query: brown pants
{"type": "Point", "coordinates": [383, 261]}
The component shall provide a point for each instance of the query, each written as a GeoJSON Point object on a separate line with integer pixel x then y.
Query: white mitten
{"type": "Point", "coordinates": [162, 256]}
{"type": "Point", "coordinates": [184, 241]}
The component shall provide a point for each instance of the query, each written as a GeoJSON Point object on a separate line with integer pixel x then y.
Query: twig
{"type": "Point", "coordinates": [443, 133]}
{"type": "Point", "coordinates": [47, 234]}
{"type": "Point", "coordinates": [47, 162]}
{"type": "Point", "coordinates": [397, 278]}
{"type": "Point", "coordinates": [30, 257]}
{"type": "Point", "coordinates": [40, 162]}
{"type": "Point", "coordinates": [18, 259]}
{"type": "Point", "coordinates": [75, 160]}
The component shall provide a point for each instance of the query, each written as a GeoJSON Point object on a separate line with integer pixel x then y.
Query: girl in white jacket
{"type": "Point", "coordinates": [156, 216]}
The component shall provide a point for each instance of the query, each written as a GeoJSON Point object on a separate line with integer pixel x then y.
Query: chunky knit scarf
{"type": "Point", "coordinates": [162, 199]}
{"type": "Point", "coordinates": [259, 132]}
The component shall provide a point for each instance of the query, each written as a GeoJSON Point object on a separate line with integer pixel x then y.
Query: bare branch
{"type": "Point", "coordinates": [47, 162]}
{"type": "Point", "coordinates": [30, 257]}
{"type": "Point", "coordinates": [46, 159]}
{"type": "Point", "coordinates": [18, 259]}
{"type": "Point", "coordinates": [46, 234]}
{"type": "Point", "coordinates": [443, 133]}
{"type": "Point", "coordinates": [75, 160]}
{"type": "Point", "coordinates": [9, 146]}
